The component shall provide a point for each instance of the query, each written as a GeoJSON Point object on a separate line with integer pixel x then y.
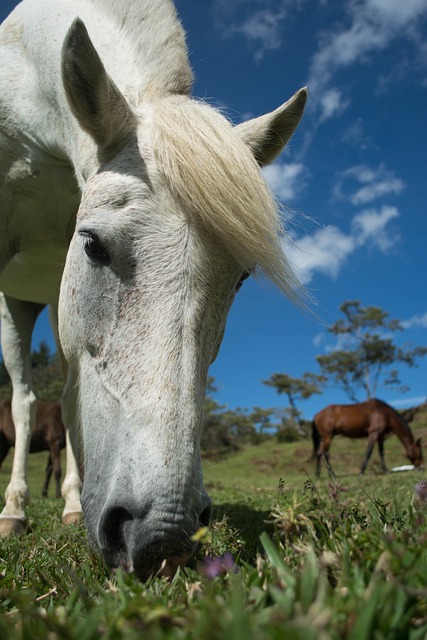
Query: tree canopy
{"type": "Point", "coordinates": [368, 354]}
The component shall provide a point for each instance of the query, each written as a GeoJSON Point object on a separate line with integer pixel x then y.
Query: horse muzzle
{"type": "Point", "coordinates": [148, 541]}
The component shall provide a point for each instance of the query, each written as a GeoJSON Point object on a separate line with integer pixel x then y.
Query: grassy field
{"type": "Point", "coordinates": [286, 557]}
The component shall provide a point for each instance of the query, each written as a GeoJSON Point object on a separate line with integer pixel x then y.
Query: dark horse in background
{"type": "Point", "coordinates": [48, 435]}
{"type": "Point", "coordinates": [372, 419]}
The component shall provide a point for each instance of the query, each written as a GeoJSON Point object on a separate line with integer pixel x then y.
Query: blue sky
{"type": "Point", "coordinates": [353, 177]}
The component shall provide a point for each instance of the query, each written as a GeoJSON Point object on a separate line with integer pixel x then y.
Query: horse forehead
{"type": "Point", "coordinates": [113, 189]}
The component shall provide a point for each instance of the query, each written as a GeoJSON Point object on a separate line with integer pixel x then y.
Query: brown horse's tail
{"type": "Point", "coordinates": [316, 439]}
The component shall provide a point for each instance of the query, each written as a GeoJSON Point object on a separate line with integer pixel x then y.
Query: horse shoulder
{"type": "Point", "coordinates": [324, 420]}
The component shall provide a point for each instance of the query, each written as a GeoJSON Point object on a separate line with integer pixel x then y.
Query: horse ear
{"type": "Point", "coordinates": [94, 99]}
{"type": "Point", "coordinates": [268, 134]}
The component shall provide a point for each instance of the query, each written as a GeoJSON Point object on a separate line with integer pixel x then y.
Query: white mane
{"type": "Point", "coordinates": [215, 176]}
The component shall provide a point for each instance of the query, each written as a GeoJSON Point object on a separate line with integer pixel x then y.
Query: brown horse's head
{"type": "Point", "coordinates": [415, 453]}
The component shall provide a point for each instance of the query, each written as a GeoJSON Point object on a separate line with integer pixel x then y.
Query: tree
{"type": "Point", "coordinates": [261, 419]}
{"type": "Point", "coordinates": [41, 357]}
{"type": "Point", "coordinates": [295, 389]}
{"type": "Point", "coordinates": [368, 351]}
{"type": "Point", "coordinates": [226, 429]}
{"type": "Point", "coordinates": [216, 433]}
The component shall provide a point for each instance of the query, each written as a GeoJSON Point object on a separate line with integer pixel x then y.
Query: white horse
{"type": "Point", "coordinates": [157, 207]}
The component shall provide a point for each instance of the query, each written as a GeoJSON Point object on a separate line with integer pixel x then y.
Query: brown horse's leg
{"type": "Point", "coordinates": [371, 443]}
{"type": "Point", "coordinates": [323, 452]}
{"type": "Point", "coordinates": [55, 454]}
{"type": "Point", "coordinates": [328, 464]}
{"type": "Point", "coordinates": [48, 473]}
{"type": "Point", "coordinates": [381, 450]}
{"type": "Point", "coordinates": [4, 448]}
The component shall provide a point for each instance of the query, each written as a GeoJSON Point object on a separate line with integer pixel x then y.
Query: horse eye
{"type": "Point", "coordinates": [93, 248]}
{"type": "Point", "coordinates": [244, 277]}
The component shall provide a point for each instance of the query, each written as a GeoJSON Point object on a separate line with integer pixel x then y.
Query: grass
{"type": "Point", "coordinates": [313, 559]}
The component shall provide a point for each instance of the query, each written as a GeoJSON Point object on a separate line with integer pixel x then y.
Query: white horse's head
{"type": "Point", "coordinates": [175, 217]}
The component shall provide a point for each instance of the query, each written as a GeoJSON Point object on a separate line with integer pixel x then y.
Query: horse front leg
{"type": "Point", "coordinates": [71, 485]}
{"type": "Point", "coordinates": [17, 323]}
{"type": "Point", "coordinates": [381, 451]}
{"type": "Point", "coordinates": [371, 443]}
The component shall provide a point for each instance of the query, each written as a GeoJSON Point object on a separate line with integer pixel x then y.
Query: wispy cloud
{"type": "Point", "coordinates": [287, 180]}
{"type": "Point", "coordinates": [356, 136]}
{"type": "Point", "coordinates": [408, 402]}
{"type": "Point", "coordinates": [415, 321]}
{"type": "Point", "coordinates": [372, 26]}
{"type": "Point", "coordinates": [260, 22]}
{"type": "Point", "coordinates": [326, 251]}
{"type": "Point", "coordinates": [263, 29]}
{"type": "Point", "coordinates": [374, 183]}
{"type": "Point", "coordinates": [331, 103]}
{"type": "Point", "coordinates": [370, 226]}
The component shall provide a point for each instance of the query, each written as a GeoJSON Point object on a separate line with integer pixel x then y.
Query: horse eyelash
{"type": "Point", "coordinates": [100, 256]}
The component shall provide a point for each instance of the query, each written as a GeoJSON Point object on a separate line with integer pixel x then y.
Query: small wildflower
{"type": "Point", "coordinates": [218, 566]}
{"type": "Point", "coordinates": [200, 535]}
{"type": "Point", "coordinates": [421, 491]}
{"type": "Point", "coordinates": [194, 589]}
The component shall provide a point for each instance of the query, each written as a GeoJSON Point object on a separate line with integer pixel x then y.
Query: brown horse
{"type": "Point", "coordinates": [372, 419]}
{"type": "Point", "coordinates": [48, 435]}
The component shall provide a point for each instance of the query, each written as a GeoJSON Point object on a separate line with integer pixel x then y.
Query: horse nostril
{"type": "Point", "coordinates": [111, 530]}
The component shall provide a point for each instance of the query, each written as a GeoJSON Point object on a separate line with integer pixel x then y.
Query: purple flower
{"type": "Point", "coordinates": [421, 490]}
{"type": "Point", "coordinates": [218, 566]}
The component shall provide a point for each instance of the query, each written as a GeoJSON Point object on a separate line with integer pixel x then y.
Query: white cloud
{"type": "Point", "coordinates": [373, 26]}
{"type": "Point", "coordinates": [327, 250]}
{"type": "Point", "coordinates": [263, 29]}
{"type": "Point", "coordinates": [331, 103]}
{"type": "Point", "coordinates": [415, 321]}
{"type": "Point", "coordinates": [370, 226]}
{"type": "Point", "coordinates": [318, 340]}
{"type": "Point", "coordinates": [375, 183]}
{"type": "Point", "coordinates": [356, 135]}
{"type": "Point", "coordinates": [397, 12]}
{"type": "Point", "coordinates": [286, 180]}
{"type": "Point", "coordinates": [259, 21]}
{"type": "Point", "coordinates": [410, 402]}
{"type": "Point", "coordinates": [375, 190]}
{"type": "Point", "coordinates": [324, 252]}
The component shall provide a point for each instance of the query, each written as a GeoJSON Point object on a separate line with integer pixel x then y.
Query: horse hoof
{"type": "Point", "coordinates": [9, 526]}
{"type": "Point", "coordinates": [74, 517]}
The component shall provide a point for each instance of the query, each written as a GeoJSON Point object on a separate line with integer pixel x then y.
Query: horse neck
{"type": "Point", "coordinates": [401, 429]}
{"type": "Point", "coordinates": [156, 41]}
